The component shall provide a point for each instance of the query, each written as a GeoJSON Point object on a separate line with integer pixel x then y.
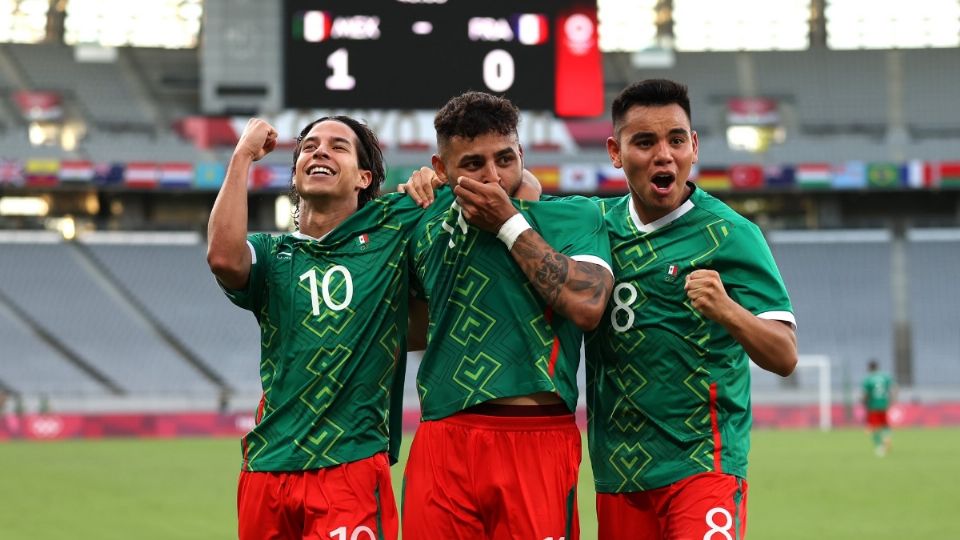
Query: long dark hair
{"type": "Point", "coordinates": [369, 158]}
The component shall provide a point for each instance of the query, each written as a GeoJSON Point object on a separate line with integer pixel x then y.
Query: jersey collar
{"type": "Point", "coordinates": [665, 220]}
{"type": "Point", "coordinates": [301, 236]}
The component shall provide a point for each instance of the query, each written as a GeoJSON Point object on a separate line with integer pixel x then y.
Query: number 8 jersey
{"type": "Point", "coordinates": [668, 391]}
{"type": "Point", "coordinates": [333, 324]}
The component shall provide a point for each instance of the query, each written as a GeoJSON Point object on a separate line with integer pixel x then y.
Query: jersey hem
{"type": "Point", "coordinates": [662, 481]}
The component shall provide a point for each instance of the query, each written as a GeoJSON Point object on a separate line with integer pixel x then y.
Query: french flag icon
{"type": "Point", "coordinates": [530, 28]}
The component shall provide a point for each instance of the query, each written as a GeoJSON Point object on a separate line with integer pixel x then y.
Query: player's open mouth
{"type": "Point", "coordinates": [319, 170]}
{"type": "Point", "coordinates": [663, 182]}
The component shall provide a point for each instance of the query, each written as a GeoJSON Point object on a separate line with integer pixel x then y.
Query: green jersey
{"type": "Point", "coordinates": [668, 390]}
{"type": "Point", "coordinates": [491, 335]}
{"type": "Point", "coordinates": [333, 325]}
{"type": "Point", "coordinates": [877, 388]}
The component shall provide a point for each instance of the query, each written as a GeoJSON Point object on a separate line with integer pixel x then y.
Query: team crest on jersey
{"type": "Point", "coordinates": [363, 240]}
{"type": "Point", "coordinates": [673, 271]}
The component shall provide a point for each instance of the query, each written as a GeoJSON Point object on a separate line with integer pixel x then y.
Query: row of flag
{"type": "Point", "coordinates": [568, 178]}
{"type": "Point", "coordinates": [850, 175]}
{"type": "Point", "coordinates": [134, 175]}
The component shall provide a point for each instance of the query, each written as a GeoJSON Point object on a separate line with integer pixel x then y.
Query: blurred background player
{"type": "Point", "coordinates": [497, 453]}
{"type": "Point", "coordinates": [879, 393]}
{"type": "Point", "coordinates": [698, 294]}
{"type": "Point", "coordinates": [331, 301]}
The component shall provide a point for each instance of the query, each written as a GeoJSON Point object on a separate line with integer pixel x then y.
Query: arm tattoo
{"type": "Point", "coordinates": [552, 273]}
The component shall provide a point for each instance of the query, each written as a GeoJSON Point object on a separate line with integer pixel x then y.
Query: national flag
{"type": "Point", "coordinates": [919, 174]}
{"type": "Point", "coordinates": [578, 178]}
{"type": "Point", "coordinates": [105, 174]}
{"type": "Point", "coordinates": [780, 176]}
{"type": "Point", "coordinates": [612, 180]}
{"type": "Point", "coordinates": [530, 28]}
{"type": "Point", "coordinates": [208, 175]}
{"type": "Point", "coordinates": [884, 175]}
{"type": "Point", "coordinates": [672, 272]}
{"type": "Point", "coordinates": [176, 175]}
{"type": "Point", "coordinates": [814, 175]}
{"type": "Point", "coordinates": [11, 172]}
{"type": "Point", "coordinates": [41, 172]}
{"type": "Point", "coordinates": [270, 177]}
{"type": "Point", "coordinates": [713, 179]}
{"type": "Point", "coordinates": [850, 175]}
{"type": "Point", "coordinates": [746, 176]}
{"type": "Point", "coordinates": [950, 174]}
{"type": "Point", "coordinates": [549, 177]}
{"type": "Point", "coordinates": [76, 171]}
{"type": "Point", "coordinates": [141, 174]}
{"type": "Point", "coordinates": [314, 26]}
{"type": "Point", "coordinates": [363, 240]}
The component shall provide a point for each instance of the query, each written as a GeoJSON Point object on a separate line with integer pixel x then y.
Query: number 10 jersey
{"type": "Point", "coordinates": [333, 324]}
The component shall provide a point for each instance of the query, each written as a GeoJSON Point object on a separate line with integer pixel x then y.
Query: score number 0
{"type": "Point", "coordinates": [498, 71]}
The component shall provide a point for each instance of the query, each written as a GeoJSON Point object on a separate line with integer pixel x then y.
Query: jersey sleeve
{"type": "Point", "coordinates": [574, 227]}
{"type": "Point", "coordinates": [251, 297]}
{"type": "Point", "coordinates": [750, 274]}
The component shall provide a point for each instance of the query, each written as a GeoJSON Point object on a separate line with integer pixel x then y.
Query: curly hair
{"type": "Point", "coordinates": [369, 158]}
{"type": "Point", "coordinates": [656, 92]}
{"type": "Point", "coordinates": [472, 114]}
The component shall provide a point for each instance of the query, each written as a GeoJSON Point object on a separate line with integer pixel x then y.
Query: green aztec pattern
{"type": "Point", "coordinates": [653, 360]}
{"type": "Point", "coordinates": [333, 321]}
{"type": "Point", "coordinates": [488, 335]}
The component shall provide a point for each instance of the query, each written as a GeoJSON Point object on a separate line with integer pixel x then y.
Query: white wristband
{"type": "Point", "coordinates": [511, 229]}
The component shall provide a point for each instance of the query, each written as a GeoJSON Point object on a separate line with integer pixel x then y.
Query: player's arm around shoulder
{"type": "Point", "coordinates": [577, 285]}
{"type": "Point", "coordinates": [228, 256]}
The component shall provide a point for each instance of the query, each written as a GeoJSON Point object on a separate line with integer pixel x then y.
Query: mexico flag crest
{"type": "Point", "coordinates": [673, 271]}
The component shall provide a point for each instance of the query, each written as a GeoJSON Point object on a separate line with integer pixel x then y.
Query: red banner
{"type": "Point", "coordinates": [579, 69]}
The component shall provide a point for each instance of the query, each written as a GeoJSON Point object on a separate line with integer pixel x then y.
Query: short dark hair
{"type": "Point", "coordinates": [656, 92]}
{"type": "Point", "coordinates": [872, 365]}
{"type": "Point", "coordinates": [369, 158]}
{"type": "Point", "coordinates": [472, 114]}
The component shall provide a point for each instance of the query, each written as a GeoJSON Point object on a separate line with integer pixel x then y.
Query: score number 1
{"type": "Point", "coordinates": [499, 71]}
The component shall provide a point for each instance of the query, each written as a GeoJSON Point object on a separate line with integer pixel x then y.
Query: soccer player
{"type": "Point", "coordinates": [331, 301]}
{"type": "Point", "coordinates": [697, 295]}
{"type": "Point", "coordinates": [510, 287]}
{"type": "Point", "coordinates": [878, 395]}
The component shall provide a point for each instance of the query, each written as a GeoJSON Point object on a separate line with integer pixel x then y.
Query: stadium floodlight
{"type": "Point", "coordinates": [170, 24]}
{"type": "Point", "coordinates": [741, 25]}
{"type": "Point", "coordinates": [627, 25]}
{"type": "Point", "coordinates": [891, 24]}
{"type": "Point", "coordinates": [23, 21]}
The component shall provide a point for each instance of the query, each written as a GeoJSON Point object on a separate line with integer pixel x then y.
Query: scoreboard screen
{"type": "Point", "coordinates": [416, 54]}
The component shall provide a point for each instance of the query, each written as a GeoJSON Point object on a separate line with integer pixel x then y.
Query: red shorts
{"type": "Point", "coordinates": [349, 501]}
{"type": "Point", "coordinates": [708, 506]}
{"type": "Point", "coordinates": [877, 419]}
{"type": "Point", "coordinates": [493, 477]}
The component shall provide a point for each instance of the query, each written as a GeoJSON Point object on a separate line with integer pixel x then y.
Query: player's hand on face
{"type": "Point", "coordinates": [484, 205]}
{"type": "Point", "coordinates": [706, 293]}
{"type": "Point", "coordinates": [257, 140]}
{"type": "Point", "coordinates": [421, 185]}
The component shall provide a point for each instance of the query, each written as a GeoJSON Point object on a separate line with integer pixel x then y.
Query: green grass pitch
{"type": "Point", "coordinates": [803, 484]}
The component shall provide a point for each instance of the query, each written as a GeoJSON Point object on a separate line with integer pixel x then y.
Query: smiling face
{"type": "Point", "coordinates": [656, 148]}
{"type": "Point", "coordinates": [490, 157]}
{"type": "Point", "coordinates": [327, 165]}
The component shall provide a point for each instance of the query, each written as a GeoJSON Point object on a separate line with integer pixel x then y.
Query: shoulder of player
{"type": "Point", "coordinates": [715, 209]}
{"type": "Point", "coordinates": [569, 207]}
